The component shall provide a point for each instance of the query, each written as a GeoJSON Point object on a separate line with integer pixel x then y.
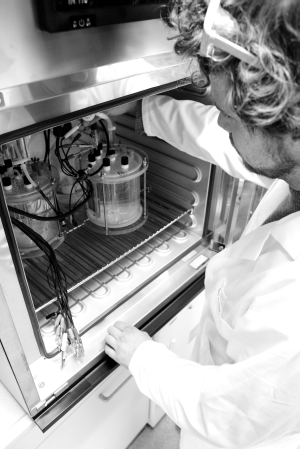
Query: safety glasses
{"type": "Point", "coordinates": [211, 40]}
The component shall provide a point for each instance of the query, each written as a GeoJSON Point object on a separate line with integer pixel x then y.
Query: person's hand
{"type": "Point", "coordinates": [122, 340]}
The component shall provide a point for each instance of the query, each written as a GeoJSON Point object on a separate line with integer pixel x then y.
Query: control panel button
{"type": "Point", "coordinates": [80, 22]}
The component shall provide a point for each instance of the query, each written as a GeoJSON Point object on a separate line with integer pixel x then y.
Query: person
{"type": "Point", "coordinates": [245, 390]}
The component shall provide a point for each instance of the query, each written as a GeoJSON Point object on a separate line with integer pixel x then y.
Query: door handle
{"type": "Point", "coordinates": [108, 398]}
{"type": "Point", "coordinates": [172, 344]}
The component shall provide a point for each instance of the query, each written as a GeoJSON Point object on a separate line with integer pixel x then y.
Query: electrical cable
{"type": "Point", "coordinates": [56, 218]}
{"type": "Point", "coordinates": [37, 187]}
{"type": "Point", "coordinates": [107, 147]}
{"type": "Point", "coordinates": [81, 179]}
{"type": "Point", "coordinates": [106, 136]}
{"type": "Point", "coordinates": [66, 333]}
{"type": "Point", "coordinates": [67, 169]}
{"type": "Point", "coordinates": [97, 171]}
{"type": "Point", "coordinates": [47, 200]}
{"type": "Point", "coordinates": [47, 145]}
{"type": "Point", "coordinates": [85, 192]}
{"type": "Point", "coordinates": [71, 193]}
{"type": "Point", "coordinates": [56, 277]}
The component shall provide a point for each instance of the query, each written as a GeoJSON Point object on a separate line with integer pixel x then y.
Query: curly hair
{"type": "Point", "coordinates": [267, 97]}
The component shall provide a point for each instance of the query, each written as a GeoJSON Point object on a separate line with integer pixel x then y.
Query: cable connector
{"type": "Point", "coordinates": [82, 175]}
{"type": "Point", "coordinates": [77, 137]}
{"type": "Point", "coordinates": [51, 315]}
{"type": "Point", "coordinates": [72, 131]}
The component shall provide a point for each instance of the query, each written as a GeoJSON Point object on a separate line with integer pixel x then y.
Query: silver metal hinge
{"type": "Point", "coordinates": [38, 407]}
{"type": "Point", "coordinates": [216, 246]}
{"type": "Point", "coordinates": [56, 393]}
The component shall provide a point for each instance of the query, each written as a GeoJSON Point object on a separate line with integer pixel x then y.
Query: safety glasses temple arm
{"type": "Point", "coordinates": [211, 38]}
{"type": "Point", "coordinates": [229, 47]}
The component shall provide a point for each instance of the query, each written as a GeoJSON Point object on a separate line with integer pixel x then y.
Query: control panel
{"type": "Point", "coordinates": [65, 15]}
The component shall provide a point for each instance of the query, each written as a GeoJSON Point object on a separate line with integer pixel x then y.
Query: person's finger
{"type": "Point", "coordinates": [114, 331]}
{"type": "Point", "coordinates": [111, 341]}
{"type": "Point", "coordinates": [121, 325]}
{"type": "Point", "coordinates": [110, 352]}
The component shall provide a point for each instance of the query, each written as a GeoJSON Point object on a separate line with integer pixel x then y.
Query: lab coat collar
{"type": "Point", "coordinates": [285, 231]}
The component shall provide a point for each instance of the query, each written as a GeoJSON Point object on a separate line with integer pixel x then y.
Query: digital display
{"type": "Point", "coordinates": [65, 15]}
{"type": "Point", "coordinates": [67, 5]}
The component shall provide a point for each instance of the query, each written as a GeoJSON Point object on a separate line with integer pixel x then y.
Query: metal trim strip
{"type": "Point", "coordinates": [27, 129]}
{"type": "Point", "coordinates": [151, 324]}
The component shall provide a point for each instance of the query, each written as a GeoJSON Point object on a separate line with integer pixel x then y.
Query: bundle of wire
{"type": "Point", "coordinates": [63, 157]}
{"type": "Point", "coordinates": [56, 277]}
{"type": "Point", "coordinates": [81, 179]}
{"type": "Point", "coordinates": [69, 170]}
{"type": "Point", "coordinates": [55, 208]}
{"type": "Point", "coordinates": [56, 280]}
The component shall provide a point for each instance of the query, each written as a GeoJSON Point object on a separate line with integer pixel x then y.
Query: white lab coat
{"type": "Point", "coordinates": [245, 391]}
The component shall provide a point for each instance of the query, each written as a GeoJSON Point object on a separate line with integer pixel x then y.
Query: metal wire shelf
{"type": "Point", "coordinates": [89, 255]}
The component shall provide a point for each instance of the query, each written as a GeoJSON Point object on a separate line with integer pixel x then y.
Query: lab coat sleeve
{"type": "Point", "coordinates": [192, 127]}
{"type": "Point", "coordinates": [251, 401]}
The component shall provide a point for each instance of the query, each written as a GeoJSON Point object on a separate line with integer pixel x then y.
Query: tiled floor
{"type": "Point", "coordinates": [165, 435]}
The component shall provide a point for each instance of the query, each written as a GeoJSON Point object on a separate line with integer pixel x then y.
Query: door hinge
{"type": "Point", "coordinates": [216, 246]}
{"type": "Point", "coordinates": [38, 407]}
